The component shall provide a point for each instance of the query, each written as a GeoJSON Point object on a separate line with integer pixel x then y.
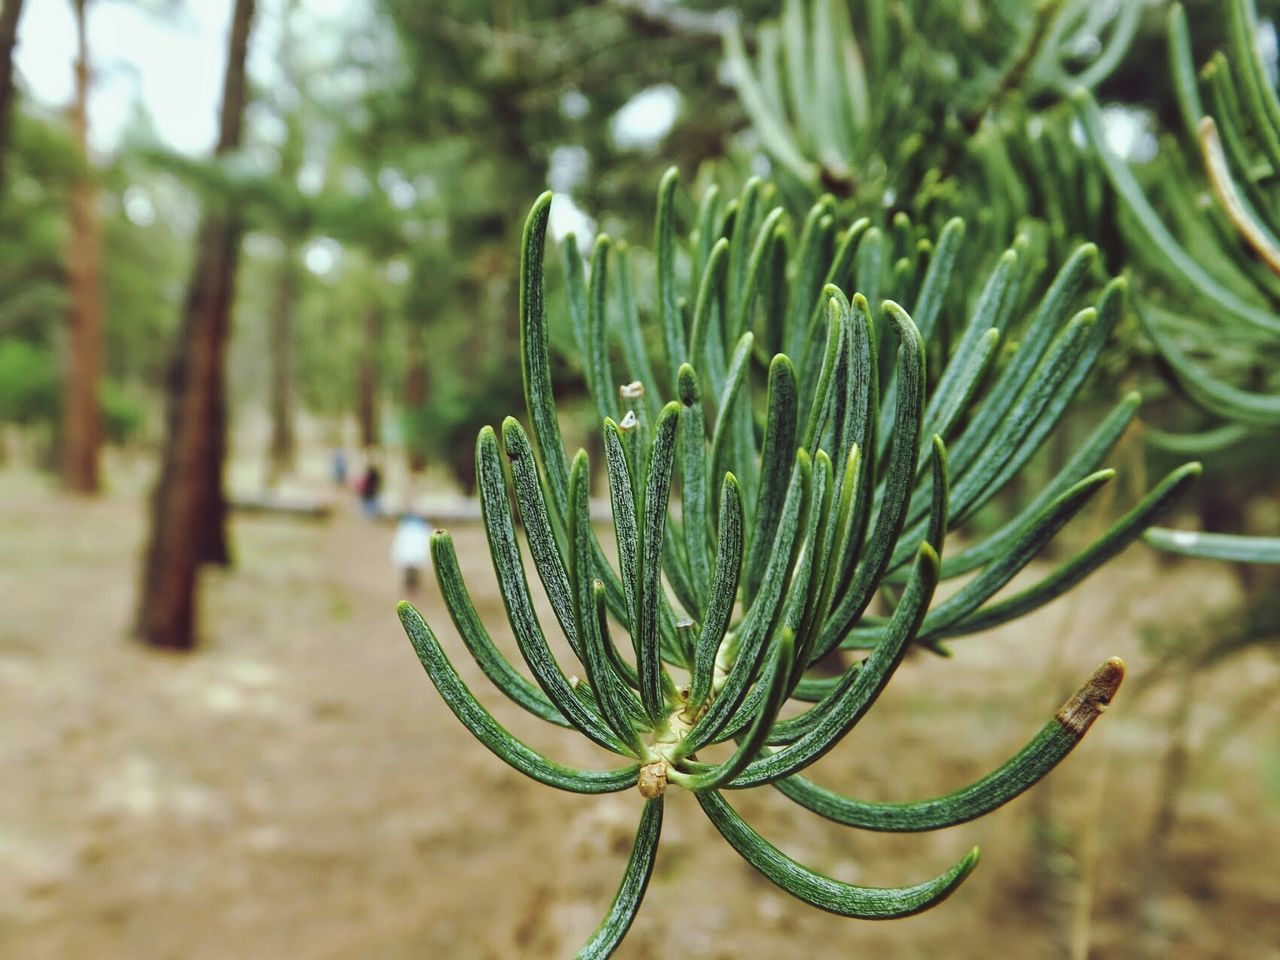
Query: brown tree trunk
{"type": "Point", "coordinates": [213, 543]}
{"type": "Point", "coordinates": [415, 397]}
{"type": "Point", "coordinates": [12, 10]}
{"type": "Point", "coordinates": [188, 509]}
{"type": "Point", "coordinates": [82, 413]}
{"type": "Point", "coordinates": [288, 278]}
{"type": "Point", "coordinates": [367, 378]}
{"type": "Point", "coordinates": [286, 295]}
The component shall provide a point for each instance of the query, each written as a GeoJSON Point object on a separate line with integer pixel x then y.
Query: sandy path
{"type": "Point", "coordinates": [297, 788]}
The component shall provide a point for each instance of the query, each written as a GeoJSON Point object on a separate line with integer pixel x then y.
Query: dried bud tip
{"type": "Point", "coordinates": [631, 391]}
{"type": "Point", "coordinates": [653, 779]}
{"type": "Point", "coordinates": [573, 682]}
{"type": "Point", "coordinates": [1084, 707]}
{"type": "Point", "coordinates": [628, 422]}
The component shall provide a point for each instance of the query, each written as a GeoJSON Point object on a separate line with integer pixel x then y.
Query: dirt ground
{"type": "Point", "coordinates": [297, 789]}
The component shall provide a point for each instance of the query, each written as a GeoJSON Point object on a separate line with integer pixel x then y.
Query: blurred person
{"type": "Point", "coordinates": [411, 548]}
{"type": "Point", "coordinates": [338, 467]}
{"type": "Point", "coordinates": [370, 489]}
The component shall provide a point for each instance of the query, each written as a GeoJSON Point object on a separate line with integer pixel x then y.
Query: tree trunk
{"type": "Point", "coordinates": [367, 378]}
{"type": "Point", "coordinates": [82, 413]}
{"type": "Point", "coordinates": [286, 295]}
{"type": "Point", "coordinates": [12, 10]}
{"type": "Point", "coordinates": [415, 397]}
{"type": "Point", "coordinates": [213, 543]}
{"type": "Point", "coordinates": [288, 280]}
{"type": "Point", "coordinates": [188, 508]}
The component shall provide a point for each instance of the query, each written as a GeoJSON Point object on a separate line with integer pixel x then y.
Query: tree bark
{"type": "Point", "coordinates": [188, 507]}
{"type": "Point", "coordinates": [12, 10]}
{"type": "Point", "coordinates": [216, 298]}
{"type": "Point", "coordinates": [367, 378]}
{"type": "Point", "coordinates": [82, 413]}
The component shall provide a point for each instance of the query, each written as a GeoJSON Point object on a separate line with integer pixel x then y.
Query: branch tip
{"type": "Point", "coordinates": [1087, 703]}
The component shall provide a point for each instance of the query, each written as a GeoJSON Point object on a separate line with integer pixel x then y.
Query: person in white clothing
{"type": "Point", "coordinates": [411, 548]}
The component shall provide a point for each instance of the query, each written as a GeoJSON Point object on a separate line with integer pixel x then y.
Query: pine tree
{"type": "Point", "coordinates": [794, 514]}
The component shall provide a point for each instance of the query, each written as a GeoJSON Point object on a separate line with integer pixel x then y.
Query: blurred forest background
{"type": "Point", "coordinates": [243, 239]}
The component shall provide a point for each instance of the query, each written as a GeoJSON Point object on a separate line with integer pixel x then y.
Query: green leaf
{"type": "Point", "coordinates": [576, 298]}
{"type": "Point", "coordinates": [1256, 86]}
{"type": "Point", "coordinates": [548, 556]}
{"type": "Point", "coordinates": [534, 362]}
{"type": "Point", "coordinates": [491, 733]}
{"type": "Point", "coordinates": [1086, 458]}
{"type": "Point", "coordinates": [1028, 766]}
{"type": "Point", "coordinates": [1183, 71]}
{"type": "Point", "coordinates": [940, 492]}
{"type": "Point", "coordinates": [1123, 532]}
{"type": "Point", "coordinates": [709, 289]}
{"type": "Point", "coordinates": [810, 599]}
{"type": "Point", "coordinates": [708, 235]}
{"type": "Point", "coordinates": [668, 308]}
{"type": "Point", "coordinates": [739, 282]}
{"type": "Point", "coordinates": [509, 567]}
{"type": "Point", "coordinates": [617, 703]}
{"type": "Point", "coordinates": [631, 334]}
{"type": "Point", "coordinates": [543, 547]}
{"type": "Point", "coordinates": [991, 312]}
{"type": "Point", "coordinates": [657, 490]}
{"type": "Point", "coordinates": [1055, 309]}
{"type": "Point", "coordinates": [596, 356]}
{"type": "Point", "coordinates": [773, 128]}
{"type": "Point", "coordinates": [724, 592]}
{"type": "Point", "coordinates": [1027, 423]}
{"type": "Point", "coordinates": [896, 492]}
{"type": "Point", "coordinates": [1179, 262]}
{"type": "Point", "coordinates": [750, 286]}
{"type": "Point", "coordinates": [809, 266]}
{"type": "Point", "coordinates": [762, 617]}
{"type": "Point", "coordinates": [847, 900]}
{"type": "Point", "coordinates": [774, 683]}
{"type": "Point", "coordinates": [944, 412]}
{"type": "Point", "coordinates": [693, 486]}
{"type": "Point", "coordinates": [1198, 444]}
{"type": "Point", "coordinates": [858, 688]}
{"type": "Point", "coordinates": [626, 901]}
{"type": "Point", "coordinates": [1215, 546]}
{"type": "Point", "coordinates": [474, 635]}
{"type": "Point", "coordinates": [1254, 409]}
{"type": "Point", "coordinates": [729, 398]}
{"type": "Point", "coordinates": [937, 278]}
{"type": "Point", "coordinates": [1032, 539]}
{"type": "Point", "coordinates": [626, 529]}
{"type": "Point", "coordinates": [776, 459]}
{"type": "Point", "coordinates": [821, 406]}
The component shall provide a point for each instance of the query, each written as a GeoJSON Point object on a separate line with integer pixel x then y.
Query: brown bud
{"type": "Point", "coordinates": [1084, 707]}
{"type": "Point", "coordinates": [653, 779]}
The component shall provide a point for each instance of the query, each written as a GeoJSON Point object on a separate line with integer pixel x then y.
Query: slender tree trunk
{"type": "Point", "coordinates": [367, 378]}
{"type": "Point", "coordinates": [188, 509]}
{"type": "Point", "coordinates": [82, 413]}
{"type": "Point", "coordinates": [282, 317]}
{"type": "Point", "coordinates": [12, 10]}
{"type": "Point", "coordinates": [415, 396]}
{"type": "Point", "coordinates": [288, 280]}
